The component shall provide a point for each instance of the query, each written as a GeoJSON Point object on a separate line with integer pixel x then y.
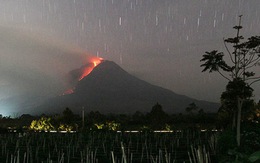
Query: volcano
{"type": "Point", "coordinates": [110, 89]}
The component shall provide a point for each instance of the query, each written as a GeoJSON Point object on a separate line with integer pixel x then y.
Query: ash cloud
{"type": "Point", "coordinates": [34, 64]}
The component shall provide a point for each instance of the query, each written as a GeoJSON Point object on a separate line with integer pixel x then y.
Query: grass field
{"type": "Point", "coordinates": [108, 147]}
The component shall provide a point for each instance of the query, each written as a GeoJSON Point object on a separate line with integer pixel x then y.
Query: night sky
{"type": "Point", "coordinates": [159, 41]}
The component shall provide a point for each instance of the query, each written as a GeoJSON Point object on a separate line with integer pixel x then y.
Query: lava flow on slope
{"type": "Point", "coordinates": [83, 71]}
{"type": "Point", "coordinates": [87, 68]}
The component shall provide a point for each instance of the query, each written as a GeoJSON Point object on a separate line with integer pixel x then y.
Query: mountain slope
{"type": "Point", "coordinates": [110, 89]}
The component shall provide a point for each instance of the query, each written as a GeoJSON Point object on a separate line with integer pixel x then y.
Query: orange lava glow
{"type": "Point", "coordinates": [90, 64]}
{"type": "Point", "coordinates": [87, 69]}
{"type": "Point", "coordinates": [69, 91]}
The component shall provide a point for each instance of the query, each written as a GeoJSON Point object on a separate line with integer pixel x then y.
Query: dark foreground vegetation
{"type": "Point", "coordinates": [152, 137]}
{"type": "Point", "coordinates": [109, 146]}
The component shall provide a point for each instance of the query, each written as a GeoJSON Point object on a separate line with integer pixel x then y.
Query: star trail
{"type": "Point", "coordinates": [158, 41]}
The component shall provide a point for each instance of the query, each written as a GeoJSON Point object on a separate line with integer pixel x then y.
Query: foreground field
{"type": "Point", "coordinates": [114, 147]}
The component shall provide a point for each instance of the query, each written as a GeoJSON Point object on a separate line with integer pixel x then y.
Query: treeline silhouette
{"type": "Point", "coordinates": [156, 119]}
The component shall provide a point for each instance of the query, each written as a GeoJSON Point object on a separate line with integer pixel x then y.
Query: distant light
{"type": "Point", "coordinates": [164, 131]}
{"type": "Point", "coordinates": [6, 110]}
{"type": "Point", "coordinates": [64, 132]}
{"type": "Point", "coordinates": [135, 131]}
{"type": "Point", "coordinates": [214, 130]}
{"type": "Point", "coordinates": [156, 131]}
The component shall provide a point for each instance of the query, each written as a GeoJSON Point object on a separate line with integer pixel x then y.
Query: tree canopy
{"type": "Point", "coordinates": [239, 72]}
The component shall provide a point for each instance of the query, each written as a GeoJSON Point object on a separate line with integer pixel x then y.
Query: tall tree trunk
{"type": "Point", "coordinates": [234, 121]}
{"type": "Point", "coordinates": [239, 106]}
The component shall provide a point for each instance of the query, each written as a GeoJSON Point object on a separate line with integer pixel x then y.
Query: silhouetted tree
{"type": "Point", "coordinates": [94, 117]}
{"type": "Point", "coordinates": [138, 117]}
{"type": "Point", "coordinates": [201, 111]}
{"type": "Point", "coordinates": [234, 89]}
{"type": "Point", "coordinates": [157, 117]}
{"type": "Point", "coordinates": [67, 116]}
{"type": "Point", "coordinates": [191, 108]}
{"type": "Point", "coordinates": [26, 119]}
{"type": "Point", "coordinates": [245, 55]}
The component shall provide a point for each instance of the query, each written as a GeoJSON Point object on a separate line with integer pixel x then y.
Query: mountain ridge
{"type": "Point", "coordinates": [111, 89]}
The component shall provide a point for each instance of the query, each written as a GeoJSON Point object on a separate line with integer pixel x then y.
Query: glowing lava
{"type": "Point", "coordinates": [84, 71]}
{"type": "Point", "coordinates": [69, 91]}
{"type": "Point", "coordinates": [89, 67]}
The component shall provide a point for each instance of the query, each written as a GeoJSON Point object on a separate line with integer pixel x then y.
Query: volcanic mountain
{"type": "Point", "coordinates": [110, 89]}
